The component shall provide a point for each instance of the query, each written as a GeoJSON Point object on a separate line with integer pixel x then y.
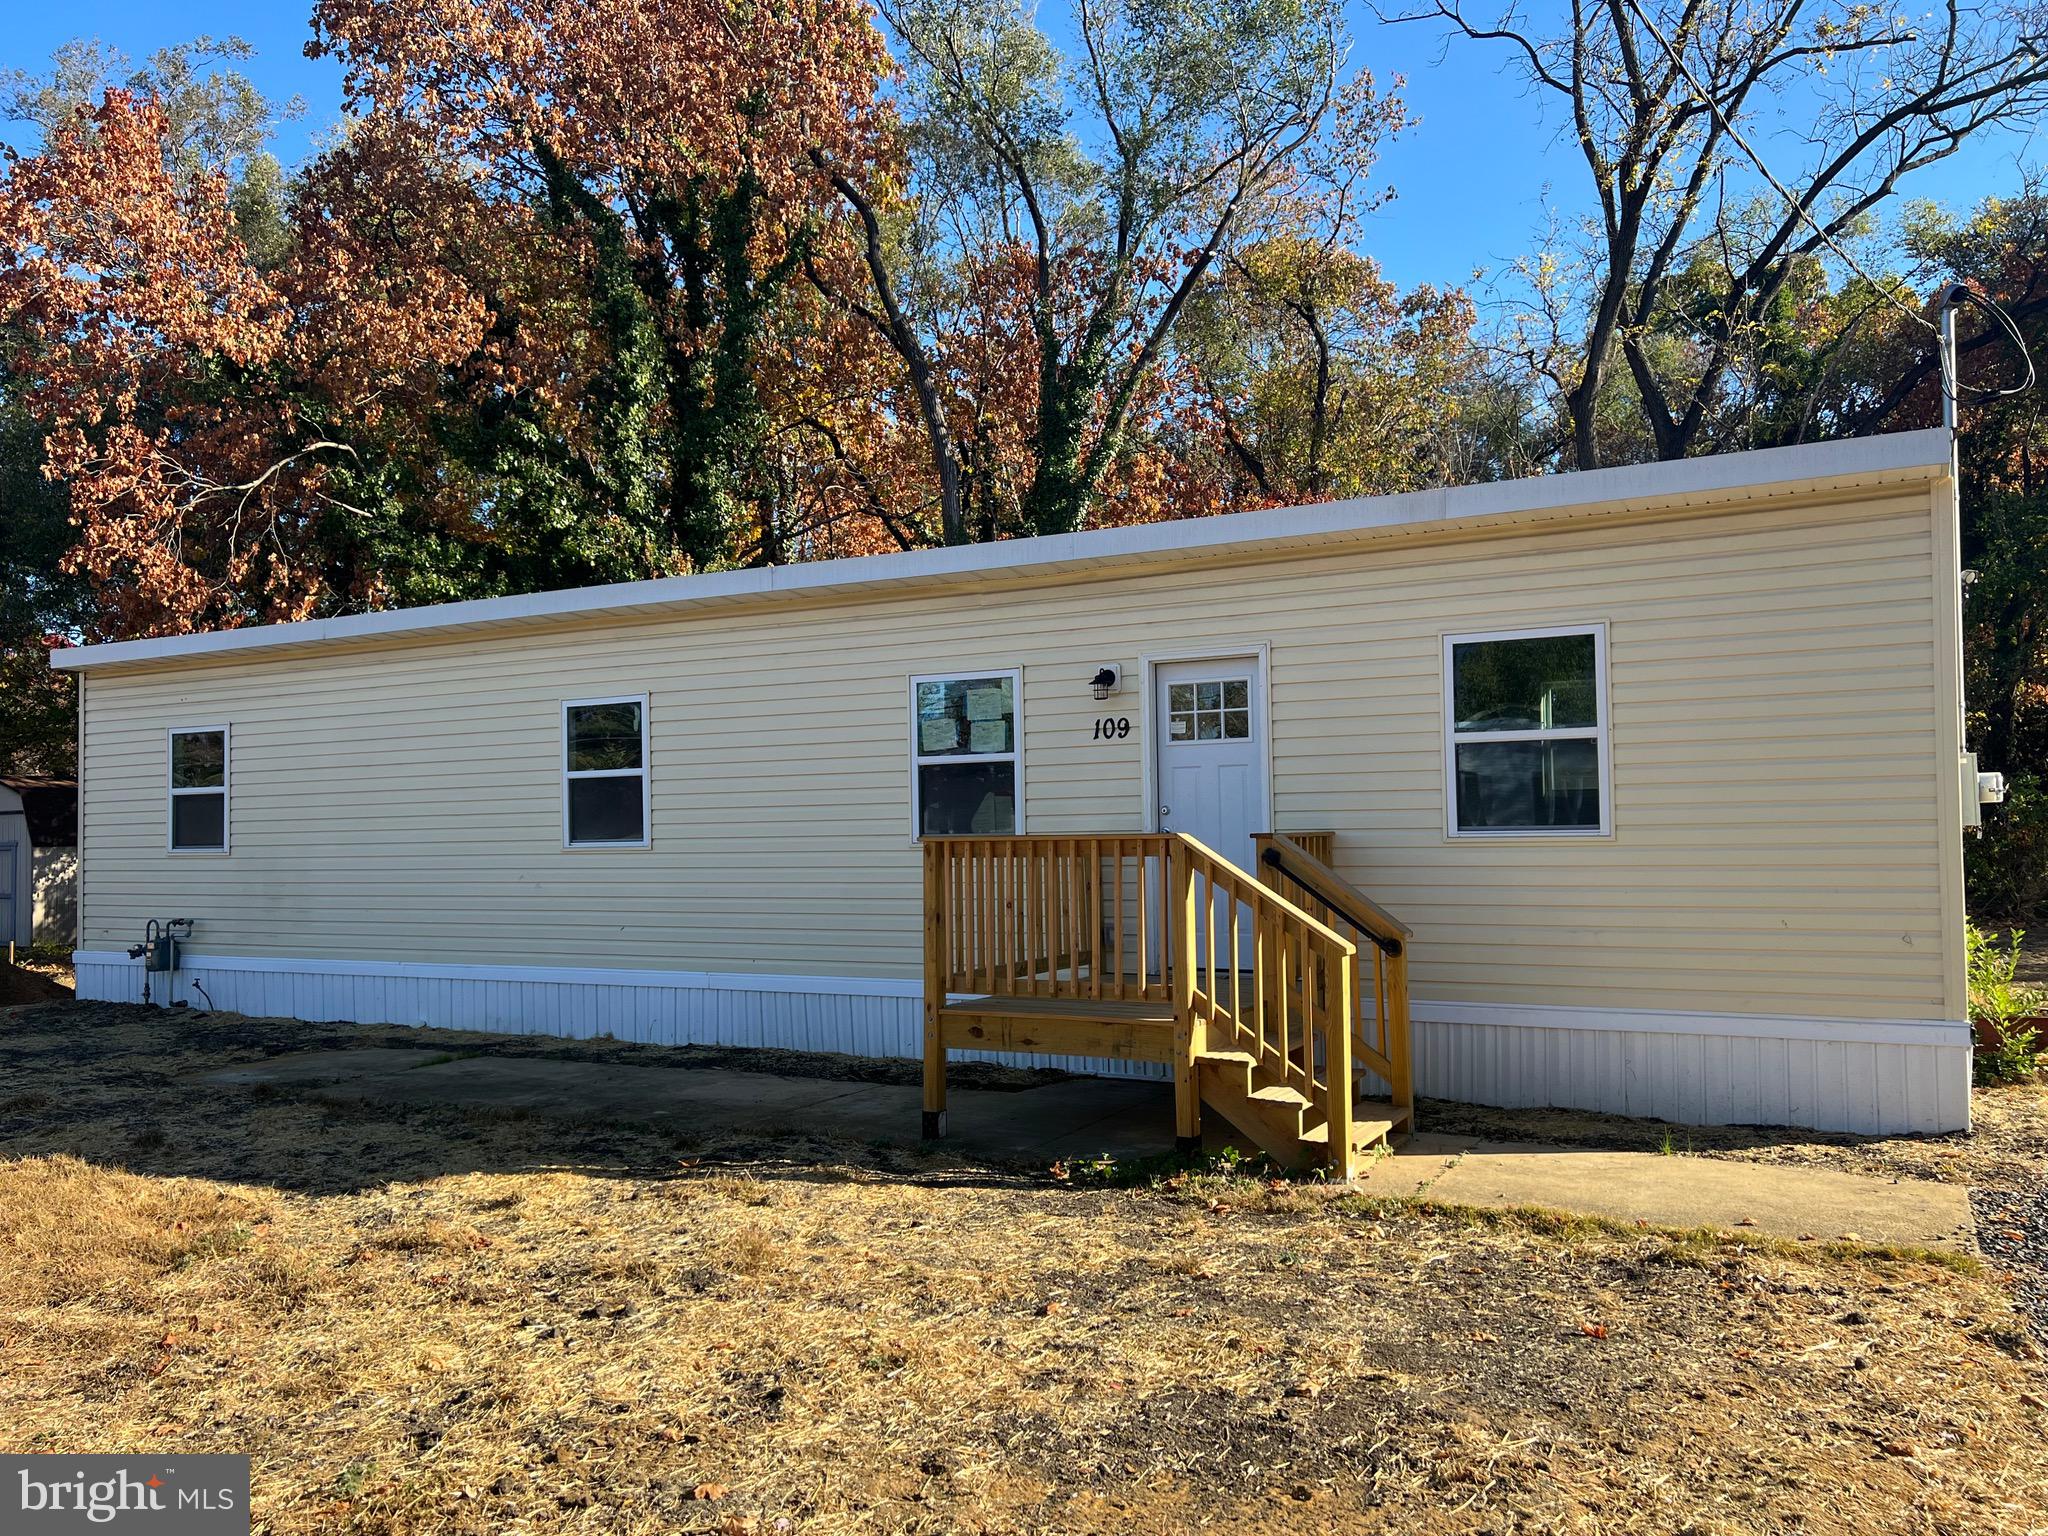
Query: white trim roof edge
{"type": "Point", "coordinates": [1265, 530]}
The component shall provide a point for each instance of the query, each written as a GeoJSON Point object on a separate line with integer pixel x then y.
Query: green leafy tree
{"type": "Point", "coordinates": [1119, 177]}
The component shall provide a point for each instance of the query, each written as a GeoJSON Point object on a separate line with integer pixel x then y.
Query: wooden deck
{"type": "Point", "coordinates": [1060, 1026]}
{"type": "Point", "coordinates": [1109, 948]}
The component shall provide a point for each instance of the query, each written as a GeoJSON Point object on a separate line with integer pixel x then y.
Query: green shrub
{"type": "Point", "coordinates": [2005, 867]}
{"type": "Point", "coordinates": [1999, 999]}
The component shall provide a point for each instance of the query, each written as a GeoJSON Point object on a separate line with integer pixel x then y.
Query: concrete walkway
{"type": "Point", "coordinates": [1125, 1120]}
{"type": "Point", "coordinates": [1680, 1191]}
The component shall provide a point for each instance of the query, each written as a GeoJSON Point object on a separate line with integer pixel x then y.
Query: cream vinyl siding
{"type": "Point", "coordinates": [1782, 768]}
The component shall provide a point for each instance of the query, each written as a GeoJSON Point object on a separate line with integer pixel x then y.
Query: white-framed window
{"type": "Point", "coordinates": [604, 772]}
{"type": "Point", "coordinates": [966, 753]}
{"type": "Point", "coordinates": [1525, 733]}
{"type": "Point", "coordinates": [196, 758]}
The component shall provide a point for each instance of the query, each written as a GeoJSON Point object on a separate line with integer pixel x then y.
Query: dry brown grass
{"type": "Point", "coordinates": [458, 1325]}
{"type": "Point", "coordinates": [70, 1231]}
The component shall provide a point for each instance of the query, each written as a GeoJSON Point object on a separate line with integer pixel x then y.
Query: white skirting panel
{"type": "Point", "coordinates": [1874, 1077]}
{"type": "Point", "coordinates": [1869, 1076]}
{"type": "Point", "coordinates": [861, 1016]}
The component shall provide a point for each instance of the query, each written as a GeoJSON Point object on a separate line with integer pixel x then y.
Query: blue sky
{"type": "Point", "coordinates": [1473, 178]}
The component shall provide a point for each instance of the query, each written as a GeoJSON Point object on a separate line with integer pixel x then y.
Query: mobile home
{"type": "Point", "coordinates": [1639, 790]}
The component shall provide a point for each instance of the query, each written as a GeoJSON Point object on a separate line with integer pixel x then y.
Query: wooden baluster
{"type": "Point", "coordinates": [1252, 1015]}
{"type": "Point", "coordinates": [1061, 873]}
{"type": "Point", "coordinates": [934, 996]}
{"type": "Point", "coordinates": [956, 918]}
{"type": "Point", "coordinates": [1085, 928]}
{"type": "Point", "coordinates": [1282, 958]}
{"type": "Point", "coordinates": [1016, 917]}
{"type": "Point", "coordinates": [1337, 1064]}
{"type": "Point", "coordinates": [963, 918]}
{"type": "Point", "coordinates": [1191, 1033]}
{"type": "Point", "coordinates": [1070, 924]}
{"type": "Point", "coordinates": [1233, 959]}
{"type": "Point", "coordinates": [1171, 936]}
{"type": "Point", "coordinates": [1088, 929]}
{"type": "Point", "coordinates": [1148, 944]}
{"type": "Point", "coordinates": [1398, 1037]}
{"type": "Point", "coordinates": [1049, 919]}
{"type": "Point", "coordinates": [991, 916]}
{"type": "Point", "coordinates": [1036, 947]}
{"type": "Point", "coordinates": [1290, 1014]}
{"type": "Point", "coordinates": [1304, 1040]}
{"type": "Point", "coordinates": [1093, 892]}
{"type": "Point", "coordinates": [1062, 913]}
{"type": "Point", "coordinates": [1117, 930]}
{"type": "Point", "coordinates": [1381, 1041]}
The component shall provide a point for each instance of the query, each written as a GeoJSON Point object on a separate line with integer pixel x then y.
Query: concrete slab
{"type": "Point", "coordinates": [325, 1066]}
{"type": "Point", "coordinates": [1083, 1117]}
{"type": "Point", "coordinates": [1711, 1192]}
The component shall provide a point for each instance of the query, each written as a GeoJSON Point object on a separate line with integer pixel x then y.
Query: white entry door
{"type": "Point", "coordinates": [1209, 765]}
{"type": "Point", "coordinates": [1209, 751]}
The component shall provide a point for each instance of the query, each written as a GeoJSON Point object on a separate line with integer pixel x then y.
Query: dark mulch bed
{"type": "Point", "coordinates": [18, 985]}
{"type": "Point", "coordinates": [240, 1037]}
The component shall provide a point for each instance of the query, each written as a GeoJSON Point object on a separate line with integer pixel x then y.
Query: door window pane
{"type": "Point", "coordinates": [1209, 711]}
{"type": "Point", "coordinates": [960, 799]}
{"type": "Point", "coordinates": [1528, 785]}
{"type": "Point", "coordinates": [1543, 683]}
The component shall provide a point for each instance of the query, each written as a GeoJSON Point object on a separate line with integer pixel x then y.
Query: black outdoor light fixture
{"type": "Point", "coordinates": [1104, 682]}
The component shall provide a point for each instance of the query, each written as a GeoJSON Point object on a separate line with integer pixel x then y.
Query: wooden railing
{"type": "Point", "coordinates": [1268, 979]}
{"type": "Point", "coordinates": [1321, 845]}
{"type": "Point", "coordinates": [1381, 1030]}
{"type": "Point", "coordinates": [1051, 917]}
{"type": "Point", "coordinates": [1285, 965]}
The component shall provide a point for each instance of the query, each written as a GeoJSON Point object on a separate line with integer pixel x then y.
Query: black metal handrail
{"type": "Point", "coordinates": [1278, 860]}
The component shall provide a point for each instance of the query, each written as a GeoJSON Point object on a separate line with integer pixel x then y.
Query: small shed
{"type": "Point", "coordinates": [38, 860]}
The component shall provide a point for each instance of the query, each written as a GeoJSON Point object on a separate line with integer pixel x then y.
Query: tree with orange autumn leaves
{"type": "Point", "coordinates": [591, 291]}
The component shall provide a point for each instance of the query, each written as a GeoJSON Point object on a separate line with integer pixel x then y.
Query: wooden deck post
{"type": "Point", "coordinates": [1190, 1035]}
{"type": "Point", "coordinates": [936, 951]}
{"type": "Point", "coordinates": [1337, 1084]}
{"type": "Point", "coordinates": [1399, 1045]}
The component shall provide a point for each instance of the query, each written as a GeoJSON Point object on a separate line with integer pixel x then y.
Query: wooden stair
{"type": "Point", "coordinates": [1282, 1122]}
{"type": "Point", "coordinates": [1270, 994]}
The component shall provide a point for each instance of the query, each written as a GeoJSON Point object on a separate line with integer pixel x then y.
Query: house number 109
{"type": "Point", "coordinates": [1112, 727]}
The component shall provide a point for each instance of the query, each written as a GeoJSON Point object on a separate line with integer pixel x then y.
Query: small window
{"type": "Point", "coordinates": [964, 755]}
{"type": "Point", "coordinates": [604, 773]}
{"type": "Point", "coordinates": [1526, 733]}
{"type": "Point", "coordinates": [199, 790]}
